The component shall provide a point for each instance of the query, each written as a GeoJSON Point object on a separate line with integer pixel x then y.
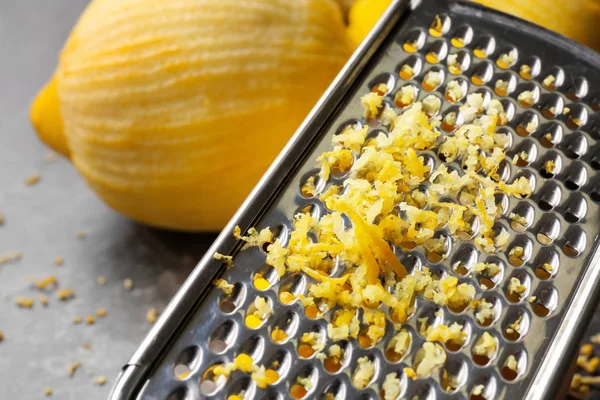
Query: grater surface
{"type": "Point", "coordinates": [562, 228]}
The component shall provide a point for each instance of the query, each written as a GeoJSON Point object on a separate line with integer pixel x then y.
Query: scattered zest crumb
{"type": "Point", "coordinates": [43, 300]}
{"type": "Point", "coordinates": [128, 284]}
{"type": "Point", "coordinates": [90, 319]}
{"type": "Point", "coordinates": [87, 346]}
{"type": "Point", "coordinates": [76, 319]}
{"type": "Point", "coordinates": [80, 234]}
{"type": "Point", "coordinates": [1, 336]}
{"type": "Point", "coordinates": [59, 260]}
{"type": "Point", "coordinates": [48, 391]}
{"type": "Point", "coordinates": [50, 157]}
{"type": "Point", "coordinates": [152, 315]}
{"type": "Point", "coordinates": [24, 302]}
{"type": "Point", "coordinates": [32, 179]}
{"type": "Point", "coordinates": [10, 256]}
{"type": "Point", "coordinates": [101, 280]}
{"type": "Point", "coordinates": [225, 286]}
{"type": "Point", "coordinates": [532, 299]}
{"type": "Point", "coordinates": [1, 218]}
{"type": "Point", "coordinates": [44, 283]}
{"type": "Point", "coordinates": [101, 312]}
{"type": "Point", "coordinates": [65, 294]}
{"type": "Point", "coordinates": [228, 260]}
{"type": "Point", "coordinates": [100, 380]}
{"type": "Point", "coordinates": [73, 367]}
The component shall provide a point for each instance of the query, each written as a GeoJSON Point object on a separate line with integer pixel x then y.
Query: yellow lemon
{"type": "Point", "coordinates": [172, 110]}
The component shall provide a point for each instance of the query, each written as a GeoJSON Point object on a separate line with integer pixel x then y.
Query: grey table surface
{"type": "Point", "coordinates": [41, 221]}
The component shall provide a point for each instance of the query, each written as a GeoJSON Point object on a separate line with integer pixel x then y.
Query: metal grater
{"type": "Point", "coordinates": [201, 327]}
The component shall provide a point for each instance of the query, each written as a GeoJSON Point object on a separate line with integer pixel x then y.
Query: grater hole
{"type": "Point", "coordinates": [436, 52]}
{"type": "Point", "coordinates": [420, 357]}
{"type": "Point", "coordinates": [455, 90]}
{"type": "Point", "coordinates": [253, 347]}
{"type": "Point", "coordinates": [310, 209]}
{"type": "Point", "coordinates": [517, 287]}
{"type": "Point", "coordinates": [291, 287]}
{"type": "Point", "coordinates": [501, 200]}
{"type": "Point", "coordinates": [552, 135]}
{"type": "Point", "coordinates": [485, 349]}
{"type": "Point", "coordinates": [453, 375]}
{"type": "Point", "coordinates": [550, 165]}
{"type": "Point", "coordinates": [186, 361]}
{"type": "Point", "coordinates": [514, 365]}
{"type": "Point", "coordinates": [440, 25]}
{"type": "Point", "coordinates": [577, 116]}
{"type": "Point", "coordinates": [549, 196]}
{"type": "Point", "coordinates": [464, 258]}
{"type": "Point", "coordinates": [515, 325]}
{"type": "Point", "coordinates": [433, 79]}
{"type": "Point", "coordinates": [489, 273]}
{"type": "Point", "coordinates": [528, 124]}
{"type": "Point", "coordinates": [484, 388]}
{"type": "Point", "coordinates": [530, 68]}
{"type": "Point", "coordinates": [552, 105]}
{"type": "Point", "coordinates": [241, 389]}
{"type": "Point", "coordinates": [264, 278]}
{"type": "Point", "coordinates": [395, 391]}
{"type": "Point", "coordinates": [334, 391]}
{"type": "Point", "coordinates": [529, 94]}
{"type": "Point", "coordinates": [482, 73]}
{"type": "Point", "coordinates": [554, 78]}
{"type": "Point", "coordinates": [595, 161]}
{"type": "Point", "coordinates": [509, 110]}
{"type": "Point", "coordinates": [576, 208]}
{"type": "Point", "coordinates": [548, 229]}
{"type": "Point", "coordinates": [279, 364]}
{"type": "Point", "coordinates": [181, 393]}
{"type": "Point", "coordinates": [531, 179]}
{"type": "Point", "coordinates": [410, 68]}
{"type": "Point", "coordinates": [211, 382]}
{"type": "Point", "coordinates": [406, 95]}
{"type": "Point", "coordinates": [575, 241]}
{"type": "Point", "coordinates": [255, 317]}
{"type": "Point", "coordinates": [521, 217]}
{"type": "Point", "coordinates": [576, 177]}
{"type": "Point", "coordinates": [458, 62]}
{"type": "Point", "coordinates": [486, 310]}
{"type": "Point", "coordinates": [547, 263]}
{"type": "Point", "coordinates": [507, 58]}
{"type": "Point", "coordinates": [431, 316]}
{"type": "Point", "coordinates": [414, 41]}
{"type": "Point", "coordinates": [503, 172]}
{"type": "Point", "coordinates": [545, 302]}
{"type": "Point", "coordinates": [462, 37]}
{"type": "Point", "coordinates": [362, 377]}
{"type": "Point", "coordinates": [578, 89]}
{"type": "Point", "coordinates": [505, 84]}
{"type": "Point", "coordinates": [437, 247]}
{"type": "Point", "coordinates": [284, 327]}
{"type": "Point", "coordinates": [232, 301]}
{"type": "Point", "coordinates": [312, 185]}
{"type": "Point", "coordinates": [525, 154]}
{"type": "Point", "coordinates": [223, 337]}
{"type": "Point", "coordinates": [382, 84]}
{"type": "Point", "coordinates": [451, 121]}
{"type": "Point", "coordinates": [399, 346]}
{"type": "Point", "coordinates": [484, 47]}
{"type": "Point", "coordinates": [311, 342]}
{"type": "Point", "coordinates": [457, 345]}
{"type": "Point", "coordinates": [431, 106]}
{"type": "Point", "coordinates": [471, 226]}
{"type": "Point", "coordinates": [338, 356]}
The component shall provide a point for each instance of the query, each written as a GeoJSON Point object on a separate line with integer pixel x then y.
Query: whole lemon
{"type": "Point", "coordinates": [172, 110]}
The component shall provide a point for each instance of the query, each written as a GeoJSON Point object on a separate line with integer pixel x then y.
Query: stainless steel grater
{"type": "Point", "coordinates": [201, 327]}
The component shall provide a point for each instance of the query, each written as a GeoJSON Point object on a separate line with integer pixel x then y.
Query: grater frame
{"type": "Point", "coordinates": [183, 305]}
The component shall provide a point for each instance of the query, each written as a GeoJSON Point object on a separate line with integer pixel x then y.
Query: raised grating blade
{"type": "Point", "coordinates": [554, 141]}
